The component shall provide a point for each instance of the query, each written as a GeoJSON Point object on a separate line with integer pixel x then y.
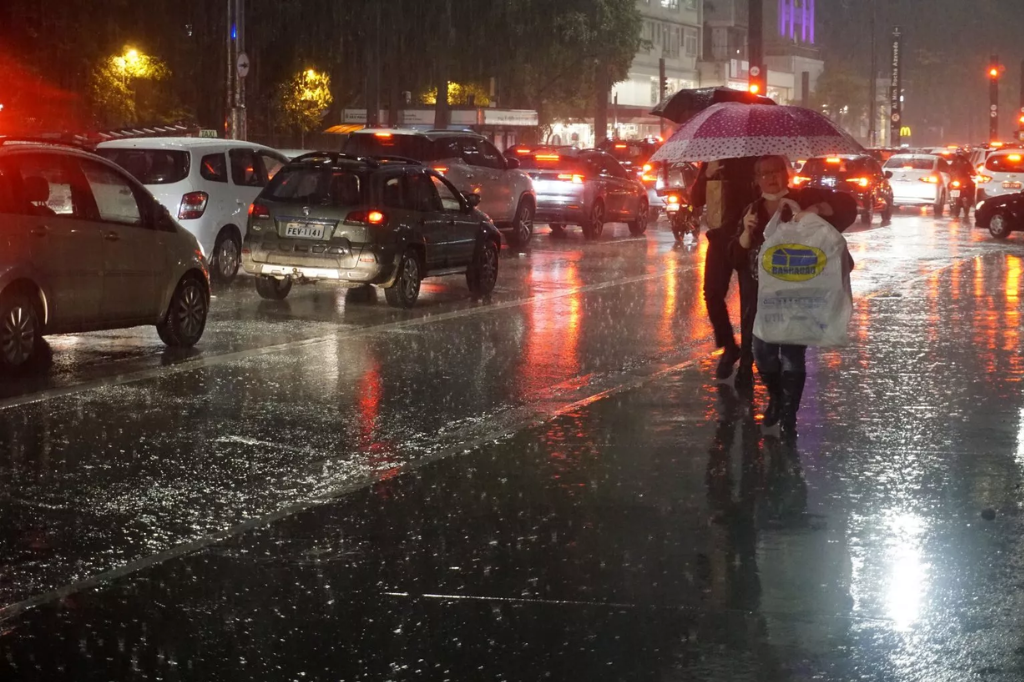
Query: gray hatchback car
{"type": "Point", "coordinates": [388, 222]}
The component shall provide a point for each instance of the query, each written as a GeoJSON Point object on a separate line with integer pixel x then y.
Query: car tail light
{"type": "Point", "coordinates": [800, 180]}
{"type": "Point", "coordinates": [673, 198]}
{"type": "Point", "coordinates": [383, 136]}
{"type": "Point", "coordinates": [371, 217]}
{"type": "Point", "coordinates": [860, 182]}
{"type": "Point", "coordinates": [258, 211]}
{"type": "Point", "coordinates": [956, 183]}
{"type": "Point", "coordinates": [193, 205]}
{"type": "Point", "coordinates": [620, 146]}
{"type": "Point", "coordinates": [930, 179]}
{"type": "Point", "coordinates": [548, 157]}
{"type": "Point", "coordinates": [833, 159]}
{"type": "Point", "coordinates": [982, 179]}
{"type": "Point", "coordinates": [522, 152]}
{"type": "Point", "coordinates": [441, 169]}
{"type": "Point", "coordinates": [1014, 158]}
{"type": "Point", "coordinates": [574, 178]}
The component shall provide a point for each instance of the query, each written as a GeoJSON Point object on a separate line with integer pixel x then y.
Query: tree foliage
{"type": "Point", "coordinates": [841, 95]}
{"type": "Point", "coordinates": [304, 99]}
{"type": "Point", "coordinates": [121, 88]}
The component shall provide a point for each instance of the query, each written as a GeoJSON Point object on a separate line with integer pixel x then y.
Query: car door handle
{"type": "Point", "coordinates": [40, 231]}
{"type": "Point", "coordinates": [112, 236]}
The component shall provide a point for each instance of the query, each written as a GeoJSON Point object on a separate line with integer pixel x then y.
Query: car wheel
{"type": "Point", "coordinates": [20, 330]}
{"type": "Point", "coordinates": [866, 216]}
{"type": "Point", "coordinates": [273, 289]}
{"type": "Point", "coordinates": [594, 226]}
{"type": "Point", "coordinates": [940, 207]}
{"type": "Point", "coordinates": [557, 229]}
{"type": "Point", "coordinates": [639, 226]}
{"type": "Point", "coordinates": [483, 273]}
{"type": "Point", "coordinates": [406, 288]}
{"type": "Point", "coordinates": [522, 225]}
{"type": "Point", "coordinates": [999, 226]}
{"type": "Point", "coordinates": [227, 254]}
{"type": "Point", "coordinates": [653, 213]}
{"type": "Point", "coordinates": [887, 213]}
{"type": "Point", "coordinates": [185, 320]}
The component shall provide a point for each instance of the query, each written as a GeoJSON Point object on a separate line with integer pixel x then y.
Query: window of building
{"type": "Point", "coordinates": [670, 4]}
{"type": "Point", "coordinates": [690, 39]}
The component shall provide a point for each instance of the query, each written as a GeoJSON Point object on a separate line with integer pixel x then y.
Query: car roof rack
{"type": "Point", "coordinates": [59, 139]}
{"type": "Point", "coordinates": [373, 161]}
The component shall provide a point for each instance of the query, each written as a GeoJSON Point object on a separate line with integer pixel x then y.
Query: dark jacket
{"type": "Point", "coordinates": [739, 190]}
{"type": "Point", "coordinates": [844, 213]}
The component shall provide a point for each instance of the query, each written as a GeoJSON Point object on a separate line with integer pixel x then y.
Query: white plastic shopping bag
{"type": "Point", "coordinates": [804, 295]}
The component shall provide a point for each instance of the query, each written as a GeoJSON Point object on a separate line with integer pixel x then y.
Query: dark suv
{"type": "Point", "coordinates": [856, 174]}
{"type": "Point", "coordinates": [382, 221]}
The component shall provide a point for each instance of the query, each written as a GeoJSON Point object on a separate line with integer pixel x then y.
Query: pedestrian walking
{"type": "Point", "coordinates": [781, 367]}
{"type": "Point", "coordinates": [723, 189]}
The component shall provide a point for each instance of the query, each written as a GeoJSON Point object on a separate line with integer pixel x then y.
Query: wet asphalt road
{"type": "Point", "coordinates": [545, 485]}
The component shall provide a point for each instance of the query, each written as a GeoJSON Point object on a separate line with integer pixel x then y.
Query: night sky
{"type": "Point", "coordinates": [961, 33]}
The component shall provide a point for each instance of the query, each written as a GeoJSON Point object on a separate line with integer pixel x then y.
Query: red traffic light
{"type": "Point", "coordinates": [754, 89]}
{"type": "Point", "coordinates": [993, 72]}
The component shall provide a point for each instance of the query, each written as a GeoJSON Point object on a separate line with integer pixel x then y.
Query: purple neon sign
{"type": "Point", "coordinates": [794, 15]}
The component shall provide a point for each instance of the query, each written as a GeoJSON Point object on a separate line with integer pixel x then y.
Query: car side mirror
{"type": "Point", "coordinates": [473, 200]}
{"type": "Point", "coordinates": [512, 163]}
{"type": "Point", "coordinates": [888, 175]}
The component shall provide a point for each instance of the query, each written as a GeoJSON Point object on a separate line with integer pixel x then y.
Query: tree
{"type": "Point", "coordinates": [842, 96]}
{"type": "Point", "coordinates": [118, 88]}
{"type": "Point", "coordinates": [305, 99]}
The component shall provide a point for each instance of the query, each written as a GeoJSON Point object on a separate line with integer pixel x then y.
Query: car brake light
{"type": "Point", "coordinates": [800, 179]}
{"type": "Point", "coordinates": [382, 135]}
{"type": "Point", "coordinates": [366, 217]}
{"type": "Point", "coordinates": [193, 205]}
{"type": "Point", "coordinates": [673, 198]}
{"type": "Point", "coordinates": [575, 178]}
{"type": "Point", "coordinates": [258, 211]}
{"type": "Point", "coordinates": [522, 152]}
{"type": "Point", "coordinates": [548, 157]}
{"type": "Point", "coordinates": [1014, 157]}
{"type": "Point", "coordinates": [997, 145]}
{"type": "Point", "coordinates": [956, 183]}
{"type": "Point", "coordinates": [863, 182]}
{"type": "Point", "coordinates": [620, 146]}
{"type": "Point", "coordinates": [982, 179]}
{"type": "Point", "coordinates": [931, 179]}
{"type": "Point", "coordinates": [833, 159]}
{"type": "Point", "coordinates": [647, 168]}
{"type": "Point", "coordinates": [441, 169]}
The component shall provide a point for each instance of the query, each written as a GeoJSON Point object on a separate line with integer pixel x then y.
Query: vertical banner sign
{"type": "Point", "coordinates": [896, 88]}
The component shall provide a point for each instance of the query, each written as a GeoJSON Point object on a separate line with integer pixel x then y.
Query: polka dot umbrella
{"type": "Point", "coordinates": [734, 130]}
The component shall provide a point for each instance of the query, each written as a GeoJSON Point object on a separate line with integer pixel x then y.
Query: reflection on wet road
{"type": "Point", "coordinates": [548, 478]}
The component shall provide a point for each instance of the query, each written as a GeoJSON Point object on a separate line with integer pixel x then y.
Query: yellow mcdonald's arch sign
{"type": "Point", "coordinates": [905, 131]}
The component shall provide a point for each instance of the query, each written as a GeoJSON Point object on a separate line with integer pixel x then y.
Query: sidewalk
{"type": "Point", "coordinates": [653, 535]}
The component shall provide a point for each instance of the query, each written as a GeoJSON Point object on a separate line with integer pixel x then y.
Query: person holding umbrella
{"type": "Point", "coordinates": [781, 366]}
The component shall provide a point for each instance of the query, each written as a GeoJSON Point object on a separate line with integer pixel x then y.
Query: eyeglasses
{"type": "Point", "coordinates": [772, 171]}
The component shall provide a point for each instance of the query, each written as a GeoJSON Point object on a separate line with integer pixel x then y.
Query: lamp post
{"type": "Point", "coordinates": [130, 64]}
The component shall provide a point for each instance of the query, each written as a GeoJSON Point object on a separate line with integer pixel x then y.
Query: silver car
{"type": "Point", "coordinates": [471, 163]}
{"type": "Point", "coordinates": [83, 247]}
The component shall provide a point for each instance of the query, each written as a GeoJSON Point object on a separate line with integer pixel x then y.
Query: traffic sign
{"type": "Point", "coordinates": [895, 118]}
{"type": "Point", "coordinates": [755, 71]}
{"type": "Point", "coordinates": [993, 107]}
{"type": "Point", "coordinates": [242, 65]}
{"type": "Point", "coordinates": [993, 113]}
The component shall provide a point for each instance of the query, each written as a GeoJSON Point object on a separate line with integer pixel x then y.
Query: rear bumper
{"type": "Point", "coordinates": [361, 264]}
{"type": "Point", "coordinates": [560, 209]}
{"type": "Point", "coordinates": [908, 195]}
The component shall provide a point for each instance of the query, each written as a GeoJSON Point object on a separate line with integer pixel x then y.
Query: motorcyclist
{"type": "Point", "coordinates": [961, 170]}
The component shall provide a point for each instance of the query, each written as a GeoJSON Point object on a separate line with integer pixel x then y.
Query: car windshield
{"type": "Point", "coordinates": [825, 166]}
{"type": "Point", "coordinates": [386, 144]}
{"type": "Point", "coordinates": [1006, 163]}
{"type": "Point", "coordinates": [151, 166]}
{"type": "Point", "coordinates": [911, 162]}
{"type": "Point", "coordinates": [316, 185]}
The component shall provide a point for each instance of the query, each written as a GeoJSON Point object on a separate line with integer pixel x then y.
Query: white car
{"type": "Point", "coordinates": [206, 184]}
{"type": "Point", "coordinates": [1001, 173]}
{"type": "Point", "coordinates": [471, 163]}
{"type": "Point", "coordinates": [919, 180]}
{"type": "Point", "coordinates": [84, 246]}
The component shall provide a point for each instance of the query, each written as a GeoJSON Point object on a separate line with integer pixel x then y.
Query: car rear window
{"type": "Point", "coordinates": [911, 163]}
{"type": "Point", "coordinates": [317, 185]}
{"type": "Point", "coordinates": [629, 152]}
{"type": "Point", "coordinates": [151, 166]}
{"type": "Point", "coordinates": [822, 166]}
{"type": "Point", "coordinates": [552, 162]}
{"type": "Point", "coordinates": [1005, 163]}
{"type": "Point", "coordinates": [386, 144]}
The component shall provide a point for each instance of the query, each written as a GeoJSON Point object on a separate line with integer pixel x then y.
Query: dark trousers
{"type": "Point", "coordinates": [775, 358]}
{"type": "Point", "coordinates": [718, 269]}
{"type": "Point", "coordinates": [748, 311]}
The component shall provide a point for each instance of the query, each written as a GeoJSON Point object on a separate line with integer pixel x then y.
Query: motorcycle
{"type": "Point", "coordinates": [961, 197]}
{"type": "Point", "coordinates": [683, 218]}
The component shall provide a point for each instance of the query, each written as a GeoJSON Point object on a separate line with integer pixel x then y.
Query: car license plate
{"type": "Point", "coordinates": [954, 193]}
{"type": "Point", "coordinates": [1011, 185]}
{"type": "Point", "coordinates": [828, 181]}
{"type": "Point", "coordinates": [304, 230]}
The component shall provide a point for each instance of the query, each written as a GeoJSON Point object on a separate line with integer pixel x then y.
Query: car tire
{"type": "Point", "coordinates": [227, 256]}
{"type": "Point", "coordinates": [940, 207]}
{"type": "Point", "coordinates": [866, 216]}
{"type": "Point", "coordinates": [999, 226]}
{"type": "Point", "coordinates": [522, 225]}
{"type": "Point", "coordinates": [482, 275]}
{"type": "Point", "coordinates": [594, 227]}
{"type": "Point", "coordinates": [20, 330]}
{"type": "Point", "coordinates": [406, 288]}
{"type": "Point", "coordinates": [639, 226]}
{"type": "Point", "coordinates": [557, 229]}
{"type": "Point", "coordinates": [887, 213]}
{"type": "Point", "coordinates": [185, 319]}
{"type": "Point", "coordinates": [273, 289]}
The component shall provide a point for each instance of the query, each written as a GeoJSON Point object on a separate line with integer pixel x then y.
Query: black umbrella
{"type": "Point", "coordinates": [685, 104]}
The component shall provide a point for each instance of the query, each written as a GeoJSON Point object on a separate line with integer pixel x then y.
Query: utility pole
{"type": "Point", "coordinates": [229, 84]}
{"type": "Point", "coordinates": [1020, 116]}
{"type": "Point", "coordinates": [237, 69]}
{"type": "Point", "coordinates": [757, 78]}
{"type": "Point", "coordinates": [993, 98]}
{"type": "Point", "coordinates": [873, 85]}
{"type": "Point", "coordinates": [662, 90]}
{"type": "Point", "coordinates": [373, 85]}
{"type": "Point", "coordinates": [441, 116]}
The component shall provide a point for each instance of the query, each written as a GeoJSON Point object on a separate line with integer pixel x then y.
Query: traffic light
{"type": "Point", "coordinates": [993, 72]}
{"type": "Point", "coordinates": [756, 83]}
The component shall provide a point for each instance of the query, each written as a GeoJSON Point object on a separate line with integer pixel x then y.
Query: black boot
{"type": "Point", "coordinates": [773, 383]}
{"type": "Point", "coordinates": [725, 364]}
{"type": "Point", "coordinates": [792, 392]}
{"type": "Point", "coordinates": [744, 381]}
